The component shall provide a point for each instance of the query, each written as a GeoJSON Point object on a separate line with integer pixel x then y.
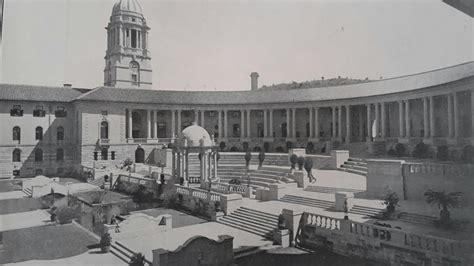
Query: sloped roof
{"type": "Point", "coordinates": [38, 93]}
{"type": "Point", "coordinates": [381, 87]}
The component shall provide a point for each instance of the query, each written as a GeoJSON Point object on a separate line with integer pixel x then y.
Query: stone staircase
{"type": "Point", "coordinates": [331, 190]}
{"type": "Point", "coordinates": [367, 211]}
{"type": "Point", "coordinates": [98, 182]}
{"type": "Point", "coordinates": [123, 253]}
{"type": "Point", "coordinates": [252, 221]}
{"type": "Point", "coordinates": [355, 166]}
{"type": "Point", "coordinates": [28, 192]}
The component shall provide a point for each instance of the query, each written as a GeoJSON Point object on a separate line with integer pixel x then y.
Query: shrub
{"type": "Point", "coordinates": [443, 153]}
{"type": "Point", "coordinates": [222, 145]}
{"type": "Point", "coordinates": [279, 150]}
{"type": "Point", "coordinates": [289, 145]}
{"type": "Point", "coordinates": [261, 158]}
{"type": "Point", "coordinates": [65, 215]}
{"type": "Point", "coordinates": [234, 149]}
{"type": "Point", "coordinates": [138, 259]}
{"type": "Point", "coordinates": [400, 150]}
{"type": "Point", "coordinates": [245, 145]}
{"type": "Point", "coordinates": [310, 147]}
{"type": "Point", "coordinates": [105, 240]}
{"type": "Point", "coordinates": [468, 154]}
{"type": "Point", "coordinates": [420, 151]}
{"type": "Point", "coordinates": [392, 152]}
{"type": "Point", "coordinates": [300, 162]}
{"type": "Point", "coordinates": [293, 160]}
{"type": "Point", "coordinates": [391, 200]}
{"type": "Point", "coordinates": [247, 157]}
{"type": "Point", "coordinates": [266, 146]}
{"type": "Point", "coordinates": [257, 149]}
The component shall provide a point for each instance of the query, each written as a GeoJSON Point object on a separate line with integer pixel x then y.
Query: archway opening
{"type": "Point", "coordinates": [139, 155]}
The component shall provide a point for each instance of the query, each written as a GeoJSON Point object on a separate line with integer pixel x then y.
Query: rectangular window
{"type": "Point", "coordinates": [60, 112]}
{"type": "Point", "coordinates": [39, 111]}
{"type": "Point", "coordinates": [134, 79]}
{"type": "Point", "coordinates": [134, 38]}
{"type": "Point", "coordinates": [16, 111]}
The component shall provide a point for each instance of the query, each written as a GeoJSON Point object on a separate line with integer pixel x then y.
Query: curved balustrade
{"type": "Point", "coordinates": [198, 193]}
{"type": "Point", "coordinates": [229, 188]}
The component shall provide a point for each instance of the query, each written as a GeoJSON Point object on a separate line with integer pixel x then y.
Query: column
{"type": "Point", "coordinates": [369, 123]}
{"type": "Point", "coordinates": [382, 119]}
{"type": "Point", "coordinates": [148, 120]}
{"type": "Point", "coordinates": [377, 120]}
{"type": "Point", "coordinates": [248, 123]}
{"type": "Point", "coordinates": [401, 127]}
{"type": "Point", "coordinates": [219, 124]}
{"type": "Point", "coordinates": [316, 122]}
{"type": "Point", "coordinates": [310, 110]}
{"type": "Point", "coordinates": [215, 164]}
{"type": "Point", "coordinates": [196, 116]}
{"type": "Point", "coordinates": [450, 116]}
{"type": "Point", "coordinates": [225, 123]}
{"type": "Point", "coordinates": [348, 123]}
{"type": "Point", "coordinates": [270, 132]}
{"type": "Point", "coordinates": [456, 115]}
{"type": "Point", "coordinates": [407, 119]}
{"type": "Point", "coordinates": [333, 122]}
{"type": "Point", "coordinates": [202, 118]}
{"type": "Point", "coordinates": [265, 128]}
{"type": "Point", "coordinates": [173, 124]}
{"type": "Point", "coordinates": [242, 123]}
{"type": "Point", "coordinates": [432, 118]}
{"type": "Point", "coordinates": [130, 124]}
{"type": "Point", "coordinates": [339, 122]}
{"type": "Point", "coordinates": [293, 123]}
{"type": "Point", "coordinates": [155, 124]}
{"type": "Point", "coordinates": [426, 128]}
{"type": "Point", "coordinates": [179, 121]}
{"type": "Point", "coordinates": [288, 123]}
{"type": "Point", "coordinates": [361, 125]}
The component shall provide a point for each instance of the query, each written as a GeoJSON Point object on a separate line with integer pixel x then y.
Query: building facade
{"type": "Point", "coordinates": [55, 130]}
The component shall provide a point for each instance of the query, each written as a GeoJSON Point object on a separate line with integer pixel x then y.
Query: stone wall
{"type": "Point", "coordinates": [196, 251]}
{"type": "Point", "coordinates": [383, 175]}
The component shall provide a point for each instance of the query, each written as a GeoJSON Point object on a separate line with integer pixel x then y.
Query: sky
{"type": "Point", "coordinates": [215, 45]}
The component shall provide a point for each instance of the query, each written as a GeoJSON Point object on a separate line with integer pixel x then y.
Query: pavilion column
{"type": "Point", "coordinates": [339, 121]}
{"type": "Point", "coordinates": [242, 123]}
{"type": "Point", "coordinates": [348, 123]}
{"type": "Point", "coordinates": [383, 118]}
{"type": "Point", "coordinates": [377, 120]}
{"type": "Point", "coordinates": [202, 119]}
{"type": "Point", "coordinates": [288, 123]}
{"type": "Point", "coordinates": [155, 124]}
{"type": "Point", "coordinates": [179, 121]}
{"type": "Point", "coordinates": [248, 123]}
{"type": "Point", "coordinates": [225, 123]}
{"type": "Point", "coordinates": [186, 166]}
{"type": "Point", "coordinates": [293, 123]}
{"type": "Point", "coordinates": [432, 118]}
{"type": "Point", "coordinates": [196, 116]}
{"type": "Point", "coordinates": [310, 111]}
{"type": "Point", "coordinates": [130, 124]}
{"type": "Point", "coordinates": [333, 122]}
{"type": "Point", "coordinates": [270, 131]}
{"type": "Point", "coordinates": [450, 116]}
{"type": "Point", "coordinates": [361, 124]}
{"type": "Point", "coordinates": [219, 124]}
{"type": "Point", "coordinates": [456, 114]}
{"type": "Point", "coordinates": [316, 122]}
{"type": "Point", "coordinates": [148, 120]}
{"type": "Point", "coordinates": [401, 123]}
{"type": "Point", "coordinates": [265, 123]}
{"type": "Point", "coordinates": [215, 164]}
{"type": "Point", "coordinates": [369, 126]}
{"type": "Point", "coordinates": [407, 119]}
{"type": "Point", "coordinates": [173, 124]}
{"type": "Point", "coordinates": [426, 128]}
{"type": "Point", "coordinates": [179, 166]}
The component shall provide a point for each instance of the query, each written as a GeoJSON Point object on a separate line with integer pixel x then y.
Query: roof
{"type": "Point", "coordinates": [127, 6]}
{"type": "Point", "coordinates": [196, 136]}
{"type": "Point", "coordinates": [466, 6]}
{"type": "Point", "coordinates": [380, 87]}
{"type": "Point", "coordinates": [38, 93]}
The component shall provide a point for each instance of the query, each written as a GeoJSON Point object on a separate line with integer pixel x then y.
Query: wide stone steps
{"type": "Point", "coordinates": [124, 253]}
{"type": "Point", "coordinates": [367, 211]}
{"type": "Point", "coordinates": [331, 190]}
{"type": "Point", "coordinates": [417, 218]}
{"type": "Point", "coordinates": [252, 221]}
{"type": "Point", "coordinates": [324, 204]}
{"type": "Point", "coordinates": [355, 166]}
{"type": "Point", "coordinates": [98, 182]}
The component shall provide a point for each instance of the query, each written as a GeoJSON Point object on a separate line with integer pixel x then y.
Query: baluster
{"type": "Point", "coordinates": [318, 221]}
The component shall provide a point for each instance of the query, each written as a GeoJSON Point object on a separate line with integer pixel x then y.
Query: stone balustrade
{"type": "Point", "coordinates": [322, 222]}
{"type": "Point", "coordinates": [229, 188]}
{"type": "Point", "coordinates": [192, 196]}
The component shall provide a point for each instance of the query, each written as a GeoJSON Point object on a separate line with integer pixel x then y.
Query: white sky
{"type": "Point", "coordinates": [207, 45]}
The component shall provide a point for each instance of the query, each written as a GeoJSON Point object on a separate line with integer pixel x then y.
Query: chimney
{"type": "Point", "coordinates": [254, 81]}
{"type": "Point", "coordinates": [67, 85]}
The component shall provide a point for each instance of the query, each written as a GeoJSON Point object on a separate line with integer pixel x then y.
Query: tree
{"type": "Point", "coordinates": [293, 159]}
{"type": "Point", "coordinates": [391, 200]}
{"type": "Point", "coordinates": [444, 201]}
{"type": "Point", "coordinates": [138, 259]}
{"type": "Point", "coordinates": [400, 149]}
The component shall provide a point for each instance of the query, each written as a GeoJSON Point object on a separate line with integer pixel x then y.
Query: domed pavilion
{"type": "Point", "coordinates": [195, 139]}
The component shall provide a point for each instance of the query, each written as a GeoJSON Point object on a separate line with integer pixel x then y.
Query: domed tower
{"type": "Point", "coordinates": [127, 59]}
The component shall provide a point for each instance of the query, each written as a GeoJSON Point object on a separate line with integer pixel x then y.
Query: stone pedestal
{"type": "Point", "coordinates": [282, 237]}
{"type": "Point", "coordinates": [338, 157]}
{"type": "Point", "coordinates": [342, 197]}
{"type": "Point", "coordinates": [300, 177]}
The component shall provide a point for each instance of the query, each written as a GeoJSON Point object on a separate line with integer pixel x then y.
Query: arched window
{"type": "Point", "coordinates": [104, 130]}
{"type": "Point", "coordinates": [103, 154]}
{"type": "Point", "coordinates": [59, 155]}
{"type": "Point", "coordinates": [16, 133]}
{"type": "Point", "coordinates": [60, 133]}
{"type": "Point", "coordinates": [16, 155]}
{"type": "Point", "coordinates": [39, 133]}
{"type": "Point", "coordinates": [38, 155]}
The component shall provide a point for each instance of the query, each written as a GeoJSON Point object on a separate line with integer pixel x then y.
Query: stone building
{"type": "Point", "coordinates": [55, 130]}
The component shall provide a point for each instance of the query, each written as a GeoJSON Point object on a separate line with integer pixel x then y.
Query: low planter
{"type": "Point", "coordinates": [105, 249]}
